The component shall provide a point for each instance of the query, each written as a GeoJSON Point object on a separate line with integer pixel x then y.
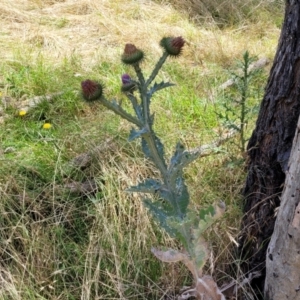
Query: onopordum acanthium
{"type": "Point", "coordinates": [171, 209]}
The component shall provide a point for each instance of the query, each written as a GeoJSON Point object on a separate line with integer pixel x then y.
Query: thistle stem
{"type": "Point", "coordinates": [150, 136]}
{"type": "Point", "coordinates": [157, 159]}
{"type": "Point", "coordinates": [135, 106]}
{"type": "Point", "coordinates": [139, 73]}
{"type": "Point", "coordinates": [117, 109]}
{"type": "Point", "coordinates": [244, 99]}
{"type": "Point", "coordinates": [157, 68]}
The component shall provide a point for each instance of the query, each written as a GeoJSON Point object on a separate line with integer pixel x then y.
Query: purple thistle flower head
{"type": "Point", "coordinates": [128, 86]}
{"type": "Point", "coordinates": [126, 79]}
{"type": "Point", "coordinates": [173, 45]}
{"type": "Point", "coordinates": [132, 55]}
{"type": "Point", "coordinates": [91, 90]}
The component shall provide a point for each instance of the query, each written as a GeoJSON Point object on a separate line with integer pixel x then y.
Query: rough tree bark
{"type": "Point", "coordinates": [270, 146]}
{"type": "Point", "coordinates": [283, 254]}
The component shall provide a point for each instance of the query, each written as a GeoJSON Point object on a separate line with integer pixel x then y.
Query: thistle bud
{"type": "Point", "coordinates": [132, 55]}
{"type": "Point", "coordinates": [128, 85]}
{"type": "Point", "coordinates": [91, 90]}
{"type": "Point", "coordinates": [173, 45]}
{"type": "Point", "coordinates": [126, 79]}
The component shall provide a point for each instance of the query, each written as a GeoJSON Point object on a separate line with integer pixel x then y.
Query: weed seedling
{"type": "Point", "coordinates": [170, 202]}
{"type": "Point", "coordinates": [237, 105]}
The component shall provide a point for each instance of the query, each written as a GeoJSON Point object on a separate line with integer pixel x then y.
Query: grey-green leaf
{"type": "Point", "coordinates": [150, 186]}
{"type": "Point", "coordinates": [136, 133]}
{"type": "Point", "coordinates": [159, 86]}
{"type": "Point", "coordinates": [162, 215]}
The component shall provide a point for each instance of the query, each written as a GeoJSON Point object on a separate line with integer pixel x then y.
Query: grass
{"type": "Point", "coordinates": [225, 13]}
{"type": "Point", "coordinates": [59, 244]}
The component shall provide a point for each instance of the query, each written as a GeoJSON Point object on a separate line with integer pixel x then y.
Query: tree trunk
{"type": "Point", "coordinates": [270, 146]}
{"type": "Point", "coordinates": [283, 255]}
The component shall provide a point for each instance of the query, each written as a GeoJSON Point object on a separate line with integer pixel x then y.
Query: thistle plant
{"type": "Point", "coordinates": [237, 106]}
{"type": "Point", "coordinates": [170, 206]}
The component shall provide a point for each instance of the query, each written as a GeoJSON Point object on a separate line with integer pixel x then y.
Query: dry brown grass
{"type": "Point", "coordinates": [98, 30]}
{"type": "Point", "coordinates": [226, 12]}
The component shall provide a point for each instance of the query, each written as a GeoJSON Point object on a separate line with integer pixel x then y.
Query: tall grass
{"type": "Point", "coordinates": [229, 12]}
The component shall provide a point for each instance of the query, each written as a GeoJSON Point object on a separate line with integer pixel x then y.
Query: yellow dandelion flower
{"type": "Point", "coordinates": [22, 113]}
{"type": "Point", "coordinates": [47, 126]}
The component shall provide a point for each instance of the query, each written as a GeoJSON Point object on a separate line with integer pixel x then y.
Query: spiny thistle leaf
{"type": "Point", "coordinates": [209, 211]}
{"type": "Point", "coordinates": [177, 198]}
{"type": "Point", "coordinates": [181, 197]}
{"type": "Point", "coordinates": [136, 106]}
{"type": "Point", "coordinates": [175, 168]}
{"type": "Point", "coordinates": [207, 218]}
{"type": "Point", "coordinates": [200, 253]}
{"type": "Point", "coordinates": [191, 219]}
{"type": "Point", "coordinates": [205, 222]}
{"type": "Point", "coordinates": [194, 242]}
{"type": "Point", "coordinates": [177, 155]}
{"type": "Point", "coordinates": [161, 212]}
{"type": "Point", "coordinates": [136, 133]}
{"type": "Point", "coordinates": [183, 229]}
{"type": "Point", "coordinates": [150, 186]}
{"type": "Point", "coordinates": [159, 147]}
{"type": "Point", "coordinates": [159, 86]}
{"type": "Point", "coordinates": [181, 160]}
{"type": "Point", "coordinates": [166, 194]}
{"type": "Point", "coordinates": [146, 149]}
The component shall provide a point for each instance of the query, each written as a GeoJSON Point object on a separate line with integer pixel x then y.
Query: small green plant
{"type": "Point", "coordinates": [170, 202]}
{"type": "Point", "coordinates": [238, 104]}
